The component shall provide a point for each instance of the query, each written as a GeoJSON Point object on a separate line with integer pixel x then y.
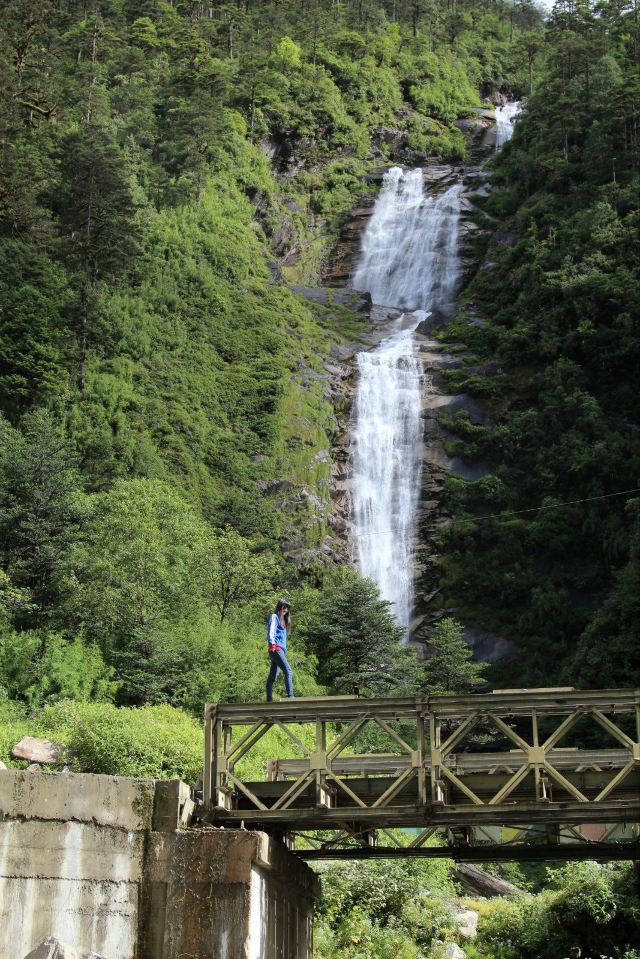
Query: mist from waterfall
{"type": "Point", "coordinates": [409, 259]}
{"type": "Point", "coordinates": [505, 122]}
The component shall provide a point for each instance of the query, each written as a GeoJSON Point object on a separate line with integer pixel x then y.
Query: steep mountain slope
{"type": "Point", "coordinates": [551, 320]}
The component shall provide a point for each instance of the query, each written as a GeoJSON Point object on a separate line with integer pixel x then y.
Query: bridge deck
{"type": "Point", "coordinates": [552, 766]}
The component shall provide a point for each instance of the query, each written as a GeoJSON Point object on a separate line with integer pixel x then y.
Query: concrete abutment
{"type": "Point", "coordinates": [102, 864]}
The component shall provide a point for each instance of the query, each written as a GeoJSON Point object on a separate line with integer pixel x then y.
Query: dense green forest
{"type": "Point", "coordinates": [552, 325]}
{"type": "Point", "coordinates": [168, 171]}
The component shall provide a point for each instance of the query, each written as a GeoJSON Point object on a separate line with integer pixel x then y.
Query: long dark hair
{"type": "Point", "coordinates": [285, 620]}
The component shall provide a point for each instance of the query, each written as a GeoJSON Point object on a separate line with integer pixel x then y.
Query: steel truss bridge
{"type": "Point", "coordinates": [513, 774]}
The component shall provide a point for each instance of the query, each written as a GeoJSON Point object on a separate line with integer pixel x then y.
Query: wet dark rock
{"type": "Point", "coordinates": [345, 351]}
{"type": "Point", "coordinates": [275, 271]}
{"type": "Point", "coordinates": [488, 647]}
{"type": "Point", "coordinates": [435, 319]}
{"type": "Point", "coordinates": [271, 487]}
{"type": "Point", "coordinates": [283, 235]}
{"type": "Point", "coordinates": [292, 205]}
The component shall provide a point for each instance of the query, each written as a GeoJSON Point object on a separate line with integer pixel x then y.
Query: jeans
{"type": "Point", "coordinates": [279, 665]}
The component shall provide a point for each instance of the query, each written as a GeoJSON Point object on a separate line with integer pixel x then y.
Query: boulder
{"type": "Point", "coordinates": [467, 920]}
{"type": "Point", "coordinates": [453, 951]}
{"type": "Point", "coordinates": [447, 950]}
{"type": "Point", "coordinates": [52, 948]}
{"type": "Point", "coordinates": [271, 487]}
{"type": "Point", "coordinates": [37, 750]}
{"type": "Point", "coordinates": [435, 319]}
{"type": "Point", "coordinates": [2, 765]}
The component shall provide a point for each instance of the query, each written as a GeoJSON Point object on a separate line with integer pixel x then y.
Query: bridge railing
{"type": "Point", "coordinates": [455, 761]}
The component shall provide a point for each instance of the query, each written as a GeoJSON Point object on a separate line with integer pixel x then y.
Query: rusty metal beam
{"type": "Point", "coordinates": [565, 852]}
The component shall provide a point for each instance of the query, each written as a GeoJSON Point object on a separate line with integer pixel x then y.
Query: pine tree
{"type": "Point", "coordinates": [449, 667]}
{"type": "Point", "coordinates": [359, 646]}
{"type": "Point", "coordinates": [41, 505]}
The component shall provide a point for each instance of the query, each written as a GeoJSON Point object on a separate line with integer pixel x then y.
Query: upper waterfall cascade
{"type": "Point", "coordinates": [505, 122]}
{"type": "Point", "coordinates": [409, 249]}
{"type": "Point", "coordinates": [409, 259]}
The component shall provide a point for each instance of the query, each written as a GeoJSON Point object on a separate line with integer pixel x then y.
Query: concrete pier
{"type": "Point", "coordinates": [103, 864]}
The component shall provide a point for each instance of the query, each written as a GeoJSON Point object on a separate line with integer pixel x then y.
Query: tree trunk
{"type": "Point", "coordinates": [477, 881]}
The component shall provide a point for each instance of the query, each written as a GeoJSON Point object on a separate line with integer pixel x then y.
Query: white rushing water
{"type": "Point", "coordinates": [409, 248]}
{"type": "Point", "coordinates": [387, 464]}
{"type": "Point", "coordinates": [505, 122]}
{"type": "Point", "coordinates": [409, 259]}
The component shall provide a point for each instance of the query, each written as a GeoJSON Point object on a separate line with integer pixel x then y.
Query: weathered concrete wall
{"type": "Point", "coordinates": [102, 864]}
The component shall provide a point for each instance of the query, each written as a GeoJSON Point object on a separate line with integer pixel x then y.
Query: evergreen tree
{"type": "Point", "coordinates": [41, 506]}
{"type": "Point", "coordinates": [97, 210]}
{"type": "Point", "coordinates": [449, 666]}
{"type": "Point", "coordinates": [359, 647]}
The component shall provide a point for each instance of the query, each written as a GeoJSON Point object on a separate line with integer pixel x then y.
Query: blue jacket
{"type": "Point", "coordinates": [276, 634]}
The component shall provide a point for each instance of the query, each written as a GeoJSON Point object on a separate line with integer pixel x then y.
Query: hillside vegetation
{"type": "Point", "coordinates": [166, 419]}
{"type": "Point", "coordinates": [552, 323]}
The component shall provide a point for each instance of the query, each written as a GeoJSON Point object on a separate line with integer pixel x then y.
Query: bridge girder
{"type": "Point", "coordinates": [482, 763]}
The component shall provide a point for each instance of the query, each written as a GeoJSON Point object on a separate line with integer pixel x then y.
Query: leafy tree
{"type": "Point", "coordinates": [138, 571]}
{"type": "Point", "coordinates": [449, 667]}
{"type": "Point", "coordinates": [12, 599]}
{"type": "Point", "coordinates": [235, 573]}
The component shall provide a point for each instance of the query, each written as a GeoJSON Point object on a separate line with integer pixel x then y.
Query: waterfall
{"type": "Point", "coordinates": [387, 464]}
{"type": "Point", "coordinates": [409, 247]}
{"type": "Point", "coordinates": [505, 122]}
{"type": "Point", "coordinates": [409, 260]}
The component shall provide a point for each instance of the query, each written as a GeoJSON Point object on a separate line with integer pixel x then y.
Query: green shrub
{"type": "Point", "coordinates": [152, 742]}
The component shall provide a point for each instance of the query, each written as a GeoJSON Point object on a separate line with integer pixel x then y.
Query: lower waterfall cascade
{"type": "Point", "coordinates": [387, 463]}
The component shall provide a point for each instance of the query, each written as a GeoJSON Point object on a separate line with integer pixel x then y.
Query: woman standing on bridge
{"type": "Point", "coordinates": [278, 625]}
